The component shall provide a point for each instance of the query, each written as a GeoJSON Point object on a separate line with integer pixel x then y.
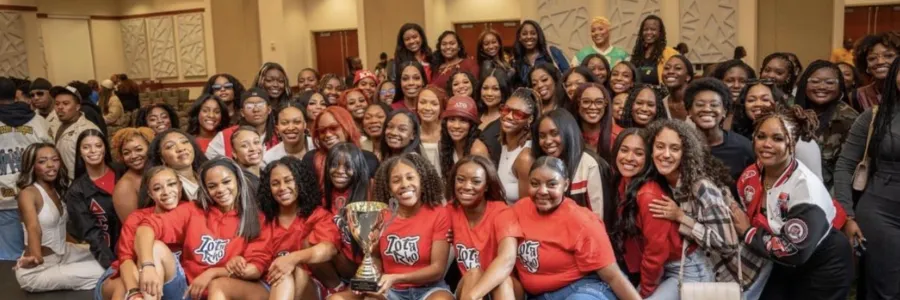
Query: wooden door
{"type": "Point", "coordinates": [469, 33]}
{"type": "Point", "coordinates": [332, 50]}
{"type": "Point", "coordinates": [507, 30]}
{"type": "Point", "coordinates": [856, 22]}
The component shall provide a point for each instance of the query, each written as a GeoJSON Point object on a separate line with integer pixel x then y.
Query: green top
{"type": "Point", "coordinates": [614, 54]}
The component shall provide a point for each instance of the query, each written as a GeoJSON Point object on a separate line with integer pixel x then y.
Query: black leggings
{"type": "Point", "coordinates": [826, 275]}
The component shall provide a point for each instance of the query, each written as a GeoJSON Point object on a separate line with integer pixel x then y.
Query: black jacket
{"type": "Point", "coordinates": [92, 217]}
{"type": "Point", "coordinates": [92, 113]}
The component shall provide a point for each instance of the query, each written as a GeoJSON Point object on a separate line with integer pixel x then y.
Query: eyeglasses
{"type": "Point", "coordinates": [763, 81]}
{"type": "Point", "coordinates": [37, 94]}
{"type": "Point", "coordinates": [255, 105]}
{"type": "Point", "coordinates": [387, 92]}
{"type": "Point", "coordinates": [219, 87]}
{"type": "Point", "coordinates": [587, 102]}
{"type": "Point", "coordinates": [333, 129]}
{"type": "Point", "coordinates": [886, 55]}
{"type": "Point", "coordinates": [818, 81]}
{"type": "Point", "coordinates": [517, 114]}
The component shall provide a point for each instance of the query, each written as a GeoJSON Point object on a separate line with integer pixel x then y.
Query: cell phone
{"type": "Point", "coordinates": [859, 248]}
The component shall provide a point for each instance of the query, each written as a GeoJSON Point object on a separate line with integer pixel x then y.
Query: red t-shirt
{"type": "Point", "coordinates": [125, 246]}
{"type": "Point", "coordinates": [203, 143]}
{"type": "Point", "coordinates": [107, 182]}
{"type": "Point", "coordinates": [476, 247]}
{"type": "Point", "coordinates": [401, 104]}
{"type": "Point", "coordinates": [561, 247]}
{"type": "Point", "coordinates": [633, 246]}
{"type": "Point", "coordinates": [405, 244]}
{"type": "Point", "coordinates": [209, 239]}
{"type": "Point", "coordinates": [343, 238]}
{"type": "Point", "coordinates": [317, 228]}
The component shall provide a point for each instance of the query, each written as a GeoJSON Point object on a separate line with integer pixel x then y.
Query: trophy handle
{"type": "Point", "coordinates": [393, 205]}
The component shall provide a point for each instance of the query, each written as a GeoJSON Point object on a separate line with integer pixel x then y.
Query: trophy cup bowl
{"type": "Point", "coordinates": [365, 221]}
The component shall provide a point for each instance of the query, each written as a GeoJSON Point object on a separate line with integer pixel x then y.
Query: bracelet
{"type": "Point", "coordinates": [147, 264]}
{"type": "Point", "coordinates": [132, 292]}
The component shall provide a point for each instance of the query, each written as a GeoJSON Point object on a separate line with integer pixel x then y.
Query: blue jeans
{"type": "Point", "coordinates": [696, 269]}
{"type": "Point", "coordinates": [418, 293]}
{"type": "Point", "coordinates": [588, 288]}
{"type": "Point", "coordinates": [12, 235]}
{"type": "Point", "coordinates": [173, 289]}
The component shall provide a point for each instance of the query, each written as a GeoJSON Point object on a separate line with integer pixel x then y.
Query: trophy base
{"type": "Point", "coordinates": [363, 285]}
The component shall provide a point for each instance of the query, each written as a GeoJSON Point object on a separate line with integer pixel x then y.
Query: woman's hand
{"type": "Point", "coordinates": [386, 282]}
{"type": "Point", "coordinates": [740, 219]}
{"type": "Point", "coordinates": [28, 261]}
{"type": "Point", "coordinates": [851, 229]}
{"type": "Point", "coordinates": [149, 283]}
{"type": "Point", "coordinates": [236, 266]}
{"type": "Point", "coordinates": [283, 265]}
{"type": "Point", "coordinates": [199, 285]}
{"type": "Point", "coordinates": [666, 209]}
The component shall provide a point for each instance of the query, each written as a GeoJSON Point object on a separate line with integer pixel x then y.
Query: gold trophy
{"type": "Point", "coordinates": [365, 221]}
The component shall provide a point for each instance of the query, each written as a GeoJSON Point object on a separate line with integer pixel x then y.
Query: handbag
{"type": "Point", "coordinates": [861, 174]}
{"type": "Point", "coordinates": [709, 290]}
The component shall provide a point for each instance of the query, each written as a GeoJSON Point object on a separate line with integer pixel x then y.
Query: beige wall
{"type": "Point", "coordinates": [106, 41]}
{"type": "Point", "coordinates": [383, 19]}
{"type": "Point", "coordinates": [805, 34]}
{"type": "Point", "coordinates": [235, 27]}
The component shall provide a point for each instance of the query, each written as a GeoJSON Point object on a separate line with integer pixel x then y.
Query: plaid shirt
{"type": "Point", "coordinates": [707, 209]}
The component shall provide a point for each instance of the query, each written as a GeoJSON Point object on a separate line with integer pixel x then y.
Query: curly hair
{"type": "Point", "coordinates": [799, 124]}
{"type": "Point", "coordinates": [343, 102]}
{"type": "Point", "coordinates": [194, 127]}
{"type": "Point", "coordinates": [447, 146]}
{"type": "Point", "coordinates": [80, 166]}
{"type": "Point", "coordinates": [438, 60]}
{"type": "Point", "coordinates": [493, 191]}
{"type": "Point", "coordinates": [27, 176]}
{"type": "Point", "coordinates": [449, 85]}
{"type": "Point", "coordinates": [124, 135]}
{"type": "Point", "coordinates": [414, 145]}
{"type": "Point", "coordinates": [306, 188]}
{"type": "Point", "coordinates": [431, 189]}
{"type": "Point", "coordinates": [140, 120]}
{"type": "Point", "coordinates": [627, 113]}
{"type": "Point", "coordinates": [559, 91]}
{"type": "Point", "coordinates": [742, 123]}
{"type": "Point", "coordinates": [788, 85]}
{"type": "Point", "coordinates": [656, 50]}
{"type": "Point", "coordinates": [144, 198]}
{"type": "Point", "coordinates": [402, 55]}
{"type": "Point", "coordinates": [328, 77]}
{"type": "Point", "coordinates": [828, 109]}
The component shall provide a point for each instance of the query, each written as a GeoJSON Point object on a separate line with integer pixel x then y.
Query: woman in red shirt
{"type": "Point", "coordinates": [450, 58]}
{"type": "Point", "coordinates": [207, 117]}
{"type": "Point", "coordinates": [411, 79]}
{"type": "Point", "coordinates": [484, 231]}
{"type": "Point", "coordinates": [413, 249]}
{"type": "Point", "coordinates": [333, 126]}
{"type": "Point", "coordinates": [630, 156]}
{"type": "Point", "coordinates": [225, 246]}
{"type": "Point", "coordinates": [294, 216]}
{"type": "Point", "coordinates": [573, 259]}
{"type": "Point", "coordinates": [160, 192]}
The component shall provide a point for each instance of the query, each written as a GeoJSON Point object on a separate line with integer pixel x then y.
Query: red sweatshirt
{"type": "Point", "coordinates": [125, 247]}
{"type": "Point", "coordinates": [209, 239]}
{"type": "Point", "coordinates": [662, 243]}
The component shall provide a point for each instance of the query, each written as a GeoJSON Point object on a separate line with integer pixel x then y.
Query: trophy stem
{"type": "Point", "coordinates": [367, 276]}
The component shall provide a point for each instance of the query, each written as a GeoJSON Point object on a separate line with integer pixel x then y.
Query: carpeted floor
{"type": "Point", "coordinates": [11, 291]}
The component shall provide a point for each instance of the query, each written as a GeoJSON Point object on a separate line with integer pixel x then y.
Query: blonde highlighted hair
{"type": "Point", "coordinates": [601, 20]}
{"type": "Point", "coordinates": [124, 135]}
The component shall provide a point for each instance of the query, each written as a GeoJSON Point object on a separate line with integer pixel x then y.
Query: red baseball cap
{"type": "Point", "coordinates": [463, 107]}
{"type": "Point", "coordinates": [359, 75]}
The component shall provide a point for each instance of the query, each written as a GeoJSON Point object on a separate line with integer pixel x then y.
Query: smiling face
{"type": "Point", "coordinates": [386, 94]}
{"type": "Point", "coordinates": [490, 92]}
{"type": "Point", "coordinates": [777, 70]}
{"type": "Point", "coordinates": [329, 131]}
{"type": "Point", "coordinates": [449, 47]}
{"type": "Point", "coordinates": [823, 86]}
{"type": "Point", "coordinates": [598, 68]}
{"type": "Point", "coordinates": [462, 86]}
{"type": "Point", "coordinates": [458, 128]}
{"type": "Point", "coordinates": [470, 184]}
{"type": "Point", "coordinates": [368, 86]}
{"type": "Point", "coordinates": [528, 36]}
{"type": "Point", "coordinates": [222, 186]}
{"type": "Point", "coordinates": [759, 100]}
{"type": "Point", "coordinates": [165, 189]}
{"type": "Point", "coordinates": [572, 83]}
{"type": "Point", "coordinates": [210, 116]}
{"type": "Point", "coordinates": [735, 78]}
{"type": "Point", "coordinates": [667, 152]}
{"type": "Point", "coordinates": [650, 31]}
{"type": "Point", "coordinates": [92, 150]}
{"type": "Point", "coordinates": [707, 110]}
{"type": "Point", "coordinates": [224, 89]}
{"type": "Point", "coordinates": [411, 82]}
{"type": "Point", "coordinates": [399, 132]}
{"type": "Point", "coordinates": [248, 149]}
{"type": "Point", "coordinates": [543, 84]}
{"type": "Point", "coordinates": [176, 151]}
{"type": "Point", "coordinates": [273, 83]}
{"type": "Point", "coordinates": [356, 104]}
{"type": "Point", "coordinates": [412, 40]}
{"type": "Point", "coordinates": [332, 90]}
{"type": "Point", "coordinates": [549, 138]}
{"type": "Point", "coordinates": [599, 34]}
{"type": "Point", "coordinates": [644, 108]}
{"type": "Point", "coordinates": [307, 80]}
{"type": "Point", "coordinates": [405, 184]}
{"type": "Point", "coordinates": [879, 61]}
{"type": "Point", "coordinates": [518, 116]}
{"type": "Point", "coordinates": [490, 45]}
{"type": "Point", "coordinates": [291, 125]}
{"type": "Point", "coordinates": [547, 188]}
{"type": "Point", "coordinates": [283, 186]}
{"type": "Point", "coordinates": [316, 105]}
{"type": "Point", "coordinates": [622, 79]}
{"type": "Point", "coordinates": [428, 107]}
{"type": "Point", "coordinates": [159, 120]}
{"type": "Point", "coordinates": [255, 111]}
{"type": "Point", "coordinates": [675, 74]}
{"type": "Point", "coordinates": [46, 164]}
{"type": "Point", "coordinates": [618, 106]}
{"type": "Point", "coordinates": [134, 153]}
{"type": "Point", "coordinates": [847, 73]}
{"type": "Point", "coordinates": [373, 121]}
{"type": "Point", "coordinates": [592, 105]}
{"type": "Point", "coordinates": [340, 175]}
{"type": "Point", "coordinates": [771, 143]}
{"type": "Point", "coordinates": [631, 157]}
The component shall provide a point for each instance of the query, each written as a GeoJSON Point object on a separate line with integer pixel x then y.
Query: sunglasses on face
{"type": "Point", "coordinates": [333, 129]}
{"type": "Point", "coordinates": [36, 94]}
{"type": "Point", "coordinates": [219, 87]}
{"type": "Point", "coordinates": [517, 114]}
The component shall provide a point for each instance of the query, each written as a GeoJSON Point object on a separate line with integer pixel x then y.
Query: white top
{"type": "Point", "coordinates": [216, 146]}
{"type": "Point", "coordinates": [191, 189]}
{"type": "Point", "coordinates": [277, 151]}
{"type": "Point", "coordinates": [68, 138]}
{"type": "Point", "coordinates": [432, 152]}
{"type": "Point", "coordinates": [810, 155]}
{"type": "Point", "coordinates": [505, 172]}
{"type": "Point", "coordinates": [53, 224]}
{"type": "Point", "coordinates": [803, 188]}
{"type": "Point", "coordinates": [14, 142]}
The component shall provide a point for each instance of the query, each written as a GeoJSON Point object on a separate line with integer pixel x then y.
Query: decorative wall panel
{"type": "Point", "coordinates": [566, 24]}
{"type": "Point", "coordinates": [626, 16]}
{"type": "Point", "coordinates": [709, 28]}
{"type": "Point", "coordinates": [13, 56]}
{"type": "Point", "coordinates": [134, 38]}
{"type": "Point", "coordinates": [162, 47]}
{"type": "Point", "coordinates": [191, 46]}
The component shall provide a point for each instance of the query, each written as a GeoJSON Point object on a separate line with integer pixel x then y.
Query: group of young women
{"type": "Point", "coordinates": [614, 178]}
